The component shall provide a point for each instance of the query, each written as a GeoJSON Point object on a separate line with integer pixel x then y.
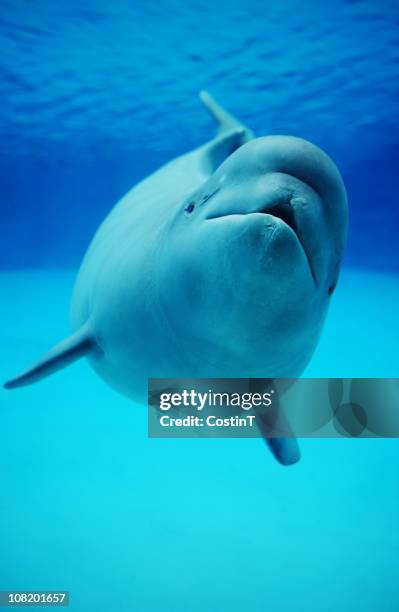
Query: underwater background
{"type": "Point", "coordinates": [94, 96]}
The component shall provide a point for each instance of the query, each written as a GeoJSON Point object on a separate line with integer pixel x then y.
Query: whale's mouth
{"type": "Point", "coordinates": [286, 213]}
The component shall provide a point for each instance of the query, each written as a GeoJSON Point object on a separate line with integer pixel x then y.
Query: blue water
{"type": "Point", "coordinates": [93, 99]}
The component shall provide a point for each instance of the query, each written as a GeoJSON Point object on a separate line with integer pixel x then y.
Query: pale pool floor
{"type": "Point", "coordinates": [89, 504]}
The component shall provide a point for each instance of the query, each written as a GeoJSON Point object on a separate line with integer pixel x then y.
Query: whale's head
{"type": "Point", "coordinates": [258, 251]}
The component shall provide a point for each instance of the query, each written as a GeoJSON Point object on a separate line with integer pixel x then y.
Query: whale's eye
{"type": "Point", "coordinates": [190, 207]}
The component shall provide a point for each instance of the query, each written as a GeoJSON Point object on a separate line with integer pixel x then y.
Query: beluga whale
{"type": "Point", "coordinates": [221, 264]}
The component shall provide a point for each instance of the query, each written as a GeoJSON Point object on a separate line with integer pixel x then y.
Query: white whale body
{"type": "Point", "coordinates": [220, 264]}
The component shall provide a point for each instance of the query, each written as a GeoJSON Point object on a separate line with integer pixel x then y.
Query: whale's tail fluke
{"type": "Point", "coordinates": [226, 121]}
{"type": "Point", "coordinates": [77, 345]}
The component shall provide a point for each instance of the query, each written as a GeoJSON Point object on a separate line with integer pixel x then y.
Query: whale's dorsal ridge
{"type": "Point", "coordinates": [70, 349]}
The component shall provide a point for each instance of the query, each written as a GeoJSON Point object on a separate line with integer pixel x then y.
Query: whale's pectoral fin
{"type": "Point", "coordinates": [279, 438]}
{"type": "Point", "coordinates": [231, 135]}
{"type": "Point", "coordinates": [69, 350]}
{"type": "Point", "coordinates": [273, 424]}
{"type": "Point", "coordinates": [226, 121]}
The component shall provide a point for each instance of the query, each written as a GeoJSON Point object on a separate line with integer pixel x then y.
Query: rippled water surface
{"type": "Point", "coordinates": [96, 95]}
